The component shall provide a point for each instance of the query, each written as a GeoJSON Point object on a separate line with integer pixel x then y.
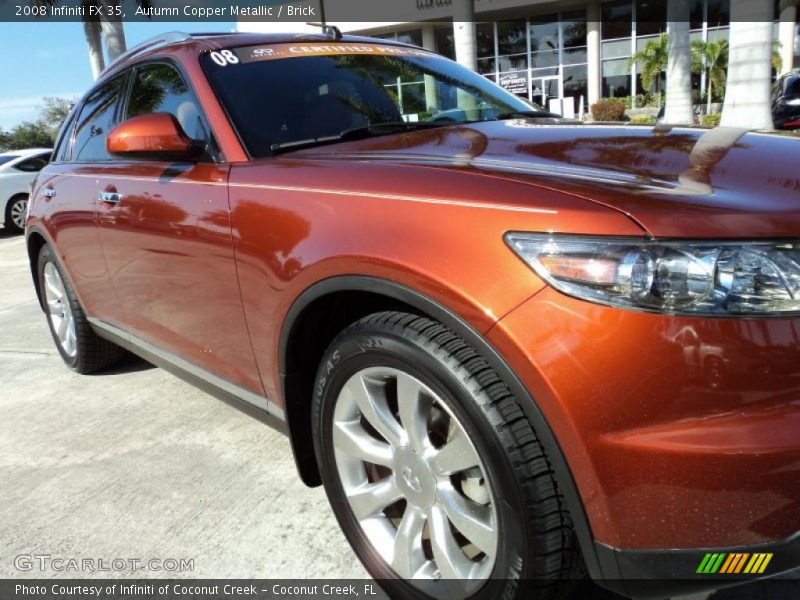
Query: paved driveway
{"type": "Point", "coordinates": [137, 464]}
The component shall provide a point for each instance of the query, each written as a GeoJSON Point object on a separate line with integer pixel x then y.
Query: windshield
{"type": "Point", "coordinates": [285, 95]}
{"type": "Point", "coordinates": [4, 158]}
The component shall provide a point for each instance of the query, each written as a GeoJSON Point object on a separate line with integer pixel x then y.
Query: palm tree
{"type": "Point", "coordinates": [108, 27]}
{"type": "Point", "coordinates": [679, 65]}
{"type": "Point", "coordinates": [653, 60]}
{"type": "Point", "coordinates": [711, 58]}
{"type": "Point", "coordinates": [747, 91]}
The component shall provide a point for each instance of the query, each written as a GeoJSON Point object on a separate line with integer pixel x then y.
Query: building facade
{"type": "Point", "coordinates": [566, 55]}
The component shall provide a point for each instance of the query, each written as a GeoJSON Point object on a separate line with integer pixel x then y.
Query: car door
{"type": "Point", "coordinates": [166, 239]}
{"type": "Point", "coordinates": [69, 186]}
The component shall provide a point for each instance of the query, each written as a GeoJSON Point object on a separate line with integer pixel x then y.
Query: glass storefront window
{"type": "Point", "coordinates": [616, 78]}
{"type": "Point", "coordinates": [444, 41]}
{"type": "Point", "coordinates": [518, 62]}
{"type": "Point", "coordinates": [575, 56]}
{"type": "Point", "coordinates": [718, 34]}
{"type": "Point", "coordinates": [573, 25]}
{"type": "Point", "coordinates": [544, 59]}
{"type": "Point", "coordinates": [617, 48]}
{"type": "Point", "coordinates": [486, 66]}
{"type": "Point", "coordinates": [617, 19]}
{"type": "Point", "coordinates": [544, 33]}
{"type": "Point", "coordinates": [641, 42]}
{"type": "Point", "coordinates": [551, 72]}
{"type": "Point", "coordinates": [484, 38]}
{"type": "Point", "coordinates": [719, 13]}
{"type": "Point", "coordinates": [511, 37]}
{"type": "Point", "coordinates": [651, 17]}
{"type": "Point", "coordinates": [413, 37]}
{"type": "Point", "coordinates": [696, 14]}
{"type": "Point", "coordinates": [576, 82]}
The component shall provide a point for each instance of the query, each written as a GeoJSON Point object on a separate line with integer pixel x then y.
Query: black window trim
{"type": "Point", "coordinates": [214, 150]}
{"type": "Point", "coordinates": [82, 104]}
{"type": "Point", "coordinates": [63, 143]}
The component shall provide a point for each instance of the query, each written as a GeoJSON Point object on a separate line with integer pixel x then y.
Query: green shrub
{"type": "Point", "coordinates": [641, 101]}
{"type": "Point", "coordinates": [711, 120]}
{"type": "Point", "coordinates": [642, 120]}
{"type": "Point", "coordinates": [608, 109]}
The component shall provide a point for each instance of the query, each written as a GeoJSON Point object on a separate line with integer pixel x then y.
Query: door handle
{"type": "Point", "coordinates": [110, 197]}
{"type": "Point", "coordinates": [48, 192]}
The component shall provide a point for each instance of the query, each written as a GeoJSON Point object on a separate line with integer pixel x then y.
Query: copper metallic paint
{"type": "Point", "coordinates": [206, 260]}
{"type": "Point", "coordinates": [157, 133]}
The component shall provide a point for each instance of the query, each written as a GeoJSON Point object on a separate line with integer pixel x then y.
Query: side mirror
{"type": "Point", "coordinates": [155, 136]}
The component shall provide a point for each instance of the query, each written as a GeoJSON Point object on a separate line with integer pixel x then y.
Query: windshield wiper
{"type": "Point", "coordinates": [355, 133]}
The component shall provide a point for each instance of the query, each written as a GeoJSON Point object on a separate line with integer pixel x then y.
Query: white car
{"type": "Point", "coordinates": [18, 168]}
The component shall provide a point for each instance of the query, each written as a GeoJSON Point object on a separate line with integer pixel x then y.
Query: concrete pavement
{"type": "Point", "coordinates": [136, 463]}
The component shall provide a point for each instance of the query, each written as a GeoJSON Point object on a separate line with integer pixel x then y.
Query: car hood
{"type": "Point", "coordinates": [675, 182]}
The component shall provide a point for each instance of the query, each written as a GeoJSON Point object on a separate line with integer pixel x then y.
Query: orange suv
{"type": "Point", "coordinates": [514, 350]}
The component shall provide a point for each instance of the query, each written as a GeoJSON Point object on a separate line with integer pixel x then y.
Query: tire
{"type": "Point", "coordinates": [80, 347]}
{"type": "Point", "coordinates": [15, 213]}
{"type": "Point", "coordinates": [535, 552]}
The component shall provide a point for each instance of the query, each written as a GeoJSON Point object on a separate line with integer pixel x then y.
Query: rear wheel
{"type": "Point", "coordinates": [77, 343]}
{"type": "Point", "coordinates": [16, 213]}
{"type": "Point", "coordinates": [433, 471]}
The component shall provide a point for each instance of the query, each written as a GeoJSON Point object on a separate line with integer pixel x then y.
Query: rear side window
{"type": "Point", "coordinates": [7, 158]}
{"type": "Point", "coordinates": [97, 118]}
{"type": "Point", "coordinates": [33, 165]}
{"type": "Point", "coordinates": [161, 88]}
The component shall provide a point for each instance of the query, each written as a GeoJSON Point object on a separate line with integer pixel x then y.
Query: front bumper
{"type": "Point", "coordinates": [680, 432]}
{"type": "Point", "coordinates": [666, 573]}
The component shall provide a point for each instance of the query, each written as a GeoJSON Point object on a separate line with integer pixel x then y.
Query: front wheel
{"type": "Point", "coordinates": [79, 346]}
{"type": "Point", "coordinates": [435, 475]}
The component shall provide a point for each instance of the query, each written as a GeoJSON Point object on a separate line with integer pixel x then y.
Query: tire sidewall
{"type": "Point", "coordinates": [359, 349]}
{"type": "Point", "coordinates": [9, 221]}
{"type": "Point", "coordinates": [46, 255]}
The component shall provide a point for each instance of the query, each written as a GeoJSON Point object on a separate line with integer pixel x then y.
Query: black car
{"type": "Point", "coordinates": [786, 101]}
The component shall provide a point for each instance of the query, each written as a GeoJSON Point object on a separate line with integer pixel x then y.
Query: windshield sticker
{"type": "Point", "coordinates": [277, 51]}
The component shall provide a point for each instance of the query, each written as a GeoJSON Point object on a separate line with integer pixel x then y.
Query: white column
{"type": "Point", "coordinates": [464, 33]}
{"type": "Point", "coordinates": [786, 28]}
{"type": "Point", "coordinates": [678, 108]}
{"type": "Point", "coordinates": [747, 93]}
{"type": "Point", "coordinates": [429, 43]}
{"type": "Point", "coordinates": [594, 68]}
{"type": "Point", "coordinates": [429, 37]}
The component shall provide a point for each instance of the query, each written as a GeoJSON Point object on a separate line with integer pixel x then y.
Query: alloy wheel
{"type": "Point", "coordinates": [18, 213]}
{"type": "Point", "coordinates": [414, 481]}
{"type": "Point", "coordinates": [59, 311]}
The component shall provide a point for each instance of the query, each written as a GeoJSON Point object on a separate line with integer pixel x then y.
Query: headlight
{"type": "Point", "coordinates": [711, 278]}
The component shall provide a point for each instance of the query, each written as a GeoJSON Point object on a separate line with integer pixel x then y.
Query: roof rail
{"type": "Point", "coordinates": [164, 39]}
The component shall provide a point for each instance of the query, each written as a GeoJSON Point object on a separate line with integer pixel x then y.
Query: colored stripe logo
{"type": "Point", "coordinates": [734, 563]}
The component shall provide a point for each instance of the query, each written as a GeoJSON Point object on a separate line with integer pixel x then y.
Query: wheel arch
{"type": "Point", "coordinates": [322, 305]}
{"type": "Point", "coordinates": [35, 242]}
